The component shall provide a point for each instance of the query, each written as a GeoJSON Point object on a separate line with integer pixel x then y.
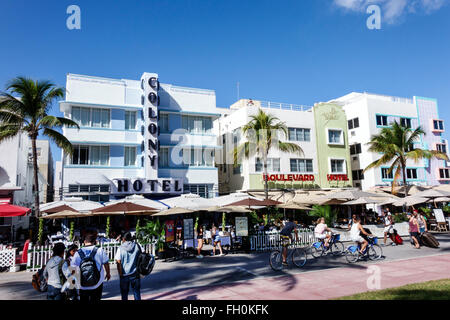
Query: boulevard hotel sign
{"type": "Point", "coordinates": [151, 183]}
{"type": "Point", "coordinates": [302, 177]}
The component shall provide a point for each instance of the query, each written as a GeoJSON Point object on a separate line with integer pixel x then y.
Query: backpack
{"type": "Point", "coordinates": [145, 263]}
{"type": "Point", "coordinates": [89, 274]}
{"type": "Point", "coordinates": [38, 281]}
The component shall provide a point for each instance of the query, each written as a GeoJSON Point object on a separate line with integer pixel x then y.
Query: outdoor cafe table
{"type": "Point", "coordinates": [193, 243]}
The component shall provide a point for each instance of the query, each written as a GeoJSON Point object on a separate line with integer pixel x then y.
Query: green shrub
{"type": "Point", "coordinates": [400, 217]}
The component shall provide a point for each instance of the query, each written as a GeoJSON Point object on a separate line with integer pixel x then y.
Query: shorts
{"type": "Point", "coordinates": [358, 239]}
{"type": "Point", "coordinates": [414, 234]}
{"type": "Point", "coordinates": [216, 239]}
{"type": "Point", "coordinates": [389, 229]}
{"type": "Point", "coordinates": [285, 241]}
{"type": "Point", "coordinates": [199, 237]}
{"type": "Point", "coordinates": [321, 236]}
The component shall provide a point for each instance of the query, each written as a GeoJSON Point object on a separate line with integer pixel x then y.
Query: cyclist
{"type": "Point", "coordinates": [355, 234]}
{"type": "Point", "coordinates": [320, 231]}
{"type": "Point", "coordinates": [286, 234]}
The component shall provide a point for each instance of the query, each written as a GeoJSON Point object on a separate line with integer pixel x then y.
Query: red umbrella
{"type": "Point", "coordinates": [124, 208]}
{"type": "Point", "coordinates": [269, 202]}
{"type": "Point", "coordinates": [9, 210]}
{"type": "Point", "coordinates": [63, 207]}
{"type": "Point", "coordinates": [248, 203]}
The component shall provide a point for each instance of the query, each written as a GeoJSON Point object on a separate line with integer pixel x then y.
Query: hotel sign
{"type": "Point", "coordinates": [288, 177]}
{"type": "Point", "coordinates": [144, 186]}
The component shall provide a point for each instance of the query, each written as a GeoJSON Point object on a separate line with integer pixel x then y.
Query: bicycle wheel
{"type": "Point", "coordinates": [351, 257]}
{"type": "Point", "coordinates": [316, 252]}
{"type": "Point", "coordinates": [299, 257]}
{"type": "Point", "coordinates": [375, 252]}
{"type": "Point", "coordinates": [276, 260]}
{"type": "Point", "coordinates": [337, 248]}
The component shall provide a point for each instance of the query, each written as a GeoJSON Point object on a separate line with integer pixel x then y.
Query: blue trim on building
{"type": "Point", "coordinates": [107, 143]}
{"type": "Point", "coordinates": [111, 106]}
{"type": "Point", "coordinates": [189, 112]}
{"type": "Point", "coordinates": [74, 166]}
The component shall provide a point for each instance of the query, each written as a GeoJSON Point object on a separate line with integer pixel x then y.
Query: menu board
{"type": "Point", "coordinates": [188, 229]}
{"type": "Point", "coordinates": [241, 227]}
{"type": "Point", "coordinates": [439, 215]}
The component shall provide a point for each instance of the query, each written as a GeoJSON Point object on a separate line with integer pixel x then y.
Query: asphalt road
{"type": "Point", "coordinates": [189, 273]}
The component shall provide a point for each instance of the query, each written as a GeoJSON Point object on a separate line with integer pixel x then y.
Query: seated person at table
{"type": "Point", "coordinates": [320, 231]}
{"type": "Point", "coordinates": [216, 240]}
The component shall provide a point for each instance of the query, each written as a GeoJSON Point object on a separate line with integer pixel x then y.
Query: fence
{"type": "Point", "coordinates": [8, 259]}
{"type": "Point", "coordinates": [38, 256]}
{"type": "Point", "coordinates": [266, 241]}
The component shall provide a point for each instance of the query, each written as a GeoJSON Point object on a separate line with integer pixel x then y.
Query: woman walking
{"type": "Point", "coordinates": [414, 229]}
{"type": "Point", "coordinates": [200, 241]}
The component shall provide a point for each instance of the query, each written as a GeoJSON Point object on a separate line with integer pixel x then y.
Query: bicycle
{"type": "Point", "coordinates": [373, 251]}
{"type": "Point", "coordinates": [335, 246]}
{"type": "Point", "coordinates": [297, 255]}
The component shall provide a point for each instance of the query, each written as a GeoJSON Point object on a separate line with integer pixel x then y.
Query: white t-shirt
{"type": "Point", "coordinates": [354, 231]}
{"type": "Point", "coordinates": [100, 259]}
{"type": "Point", "coordinates": [387, 221]}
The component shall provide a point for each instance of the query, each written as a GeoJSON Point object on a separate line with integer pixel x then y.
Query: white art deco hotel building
{"type": "Point", "coordinates": [138, 137]}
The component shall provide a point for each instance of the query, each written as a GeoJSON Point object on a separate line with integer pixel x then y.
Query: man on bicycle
{"type": "Point", "coordinates": [356, 233]}
{"type": "Point", "coordinates": [286, 234]}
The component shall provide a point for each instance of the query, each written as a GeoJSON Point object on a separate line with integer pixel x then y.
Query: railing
{"type": "Point", "coordinates": [284, 106]}
{"type": "Point", "coordinates": [266, 241]}
{"type": "Point", "coordinates": [8, 258]}
{"type": "Point", "coordinates": [38, 256]}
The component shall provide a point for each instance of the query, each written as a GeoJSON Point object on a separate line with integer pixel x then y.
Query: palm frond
{"type": "Point", "coordinates": [60, 140]}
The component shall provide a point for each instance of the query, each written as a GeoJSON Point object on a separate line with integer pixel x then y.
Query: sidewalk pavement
{"type": "Point", "coordinates": [319, 285]}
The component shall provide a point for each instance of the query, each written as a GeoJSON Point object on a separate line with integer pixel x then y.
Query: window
{"type": "Point", "coordinates": [357, 175]}
{"type": "Point", "coordinates": [405, 122]}
{"type": "Point", "coordinates": [130, 120]}
{"type": "Point", "coordinates": [335, 136]}
{"type": "Point", "coordinates": [90, 155]}
{"type": "Point", "coordinates": [130, 157]}
{"type": "Point", "coordinates": [411, 173]}
{"type": "Point", "coordinates": [438, 124]}
{"type": "Point", "coordinates": [164, 122]}
{"type": "Point", "coordinates": [198, 157]}
{"type": "Point", "coordinates": [301, 165]}
{"type": "Point", "coordinates": [91, 117]}
{"type": "Point", "coordinates": [353, 123]}
{"type": "Point", "coordinates": [273, 165]}
{"type": "Point", "coordinates": [163, 159]}
{"type": "Point", "coordinates": [382, 120]}
{"type": "Point", "coordinates": [337, 166]}
{"type": "Point", "coordinates": [444, 173]}
{"type": "Point", "coordinates": [299, 134]}
{"type": "Point", "coordinates": [203, 190]}
{"type": "Point", "coordinates": [194, 124]}
{"type": "Point", "coordinates": [355, 149]}
{"type": "Point", "coordinates": [385, 174]}
{"type": "Point", "coordinates": [441, 147]}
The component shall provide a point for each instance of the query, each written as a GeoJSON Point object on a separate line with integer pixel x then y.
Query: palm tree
{"type": "Point", "coordinates": [262, 135]}
{"type": "Point", "coordinates": [397, 145]}
{"type": "Point", "coordinates": [25, 109]}
{"type": "Point", "coordinates": [325, 211]}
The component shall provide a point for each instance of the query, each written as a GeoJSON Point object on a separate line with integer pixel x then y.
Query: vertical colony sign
{"type": "Point", "coordinates": [151, 184]}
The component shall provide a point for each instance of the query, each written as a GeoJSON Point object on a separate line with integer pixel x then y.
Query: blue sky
{"type": "Point", "coordinates": [298, 52]}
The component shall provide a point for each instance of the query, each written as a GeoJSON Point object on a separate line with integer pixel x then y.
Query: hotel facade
{"type": "Point", "coordinates": [321, 132]}
{"type": "Point", "coordinates": [138, 137]}
{"type": "Point", "coordinates": [368, 113]}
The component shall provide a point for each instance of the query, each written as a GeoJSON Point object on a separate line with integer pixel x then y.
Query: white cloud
{"type": "Point", "coordinates": [392, 10]}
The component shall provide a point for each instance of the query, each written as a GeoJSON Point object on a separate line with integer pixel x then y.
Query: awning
{"type": "Point", "coordinates": [9, 210]}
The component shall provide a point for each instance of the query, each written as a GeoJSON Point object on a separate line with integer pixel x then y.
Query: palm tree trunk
{"type": "Point", "coordinates": [35, 174]}
{"type": "Point", "coordinates": [404, 179]}
{"type": "Point", "coordinates": [266, 183]}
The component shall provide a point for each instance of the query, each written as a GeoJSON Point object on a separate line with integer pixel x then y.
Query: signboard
{"type": "Point", "coordinates": [170, 231]}
{"type": "Point", "coordinates": [241, 227]}
{"type": "Point", "coordinates": [337, 177]}
{"type": "Point", "coordinates": [188, 229]}
{"type": "Point", "coordinates": [144, 186]}
{"type": "Point", "coordinates": [288, 177]}
{"type": "Point", "coordinates": [439, 215]}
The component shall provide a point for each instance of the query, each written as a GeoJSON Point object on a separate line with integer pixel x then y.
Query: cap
{"type": "Point", "coordinates": [408, 213]}
{"type": "Point", "coordinates": [416, 211]}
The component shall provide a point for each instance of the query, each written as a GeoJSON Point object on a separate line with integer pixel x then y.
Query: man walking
{"type": "Point", "coordinates": [127, 259]}
{"type": "Point", "coordinates": [93, 264]}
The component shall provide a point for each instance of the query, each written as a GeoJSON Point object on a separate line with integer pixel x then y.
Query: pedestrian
{"type": "Point", "coordinates": [216, 240]}
{"type": "Point", "coordinates": [93, 264]}
{"type": "Point", "coordinates": [72, 294]}
{"type": "Point", "coordinates": [422, 223]}
{"type": "Point", "coordinates": [414, 229]}
{"type": "Point", "coordinates": [56, 271]}
{"type": "Point", "coordinates": [200, 241]}
{"type": "Point", "coordinates": [127, 259]}
{"type": "Point", "coordinates": [388, 225]}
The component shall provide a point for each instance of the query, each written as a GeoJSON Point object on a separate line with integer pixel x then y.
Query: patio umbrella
{"type": "Point", "coordinates": [124, 207]}
{"type": "Point", "coordinates": [432, 193]}
{"type": "Point", "coordinates": [351, 195]}
{"type": "Point", "coordinates": [188, 201]}
{"type": "Point", "coordinates": [138, 199]}
{"type": "Point", "coordinates": [440, 199]}
{"type": "Point", "coordinates": [9, 210]}
{"type": "Point", "coordinates": [293, 205]}
{"type": "Point", "coordinates": [173, 211]}
{"type": "Point", "coordinates": [388, 201]}
{"type": "Point", "coordinates": [60, 208]}
{"type": "Point", "coordinates": [362, 200]}
{"type": "Point", "coordinates": [227, 209]}
{"type": "Point", "coordinates": [230, 198]}
{"type": "Point", "coordinates": [75, 203]}
{"type": "Point", "coordinates": [248, 203]}
{"type": "Point", "coordinates": [67, 214]}
{"type": "Point", "coordinates": [269, 202]}
{"type": "Point", "coordinates": [409, 201]}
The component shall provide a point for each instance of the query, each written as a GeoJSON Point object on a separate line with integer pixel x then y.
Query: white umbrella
{"type": "Point", "coordinates": [142, 201]}
{"type": "Point", "coordinates": [432, 193]}
{"type": "Point", "coordinates": [228, 209]}
{"type": "Point", "coordinates": [440, 199]}
{"type": "Point", "coordinates": [362, 200]}
{"type": "Point", "coordinates": [76, 203]}
{"type": "Point", "coordinates": [172, 211]}
{"type": "Point", "coordinates": [352, 194]}
{"type": "Point", "coordinates": [189, 201]}
{"type": "Point", "coordinates": [409, 201]}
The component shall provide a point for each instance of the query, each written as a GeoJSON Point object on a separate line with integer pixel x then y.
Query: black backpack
{"type": "Point", "coordinates": [38, 281]}
{"type": "Point", "coordinates": [89, 273]}
{"type": "Point", "coordinates": [145, 263]}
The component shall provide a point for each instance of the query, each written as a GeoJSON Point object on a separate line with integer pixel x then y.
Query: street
{"type": "Point", "coordinates": [231, 270]}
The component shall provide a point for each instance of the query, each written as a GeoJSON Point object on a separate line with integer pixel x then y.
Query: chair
{"type": "Point", "coordinates": [433, 225]}
{"type": "Point", "coordinates": [442, 226]}
{"type": "Point", "coordinates": [24, 258]}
